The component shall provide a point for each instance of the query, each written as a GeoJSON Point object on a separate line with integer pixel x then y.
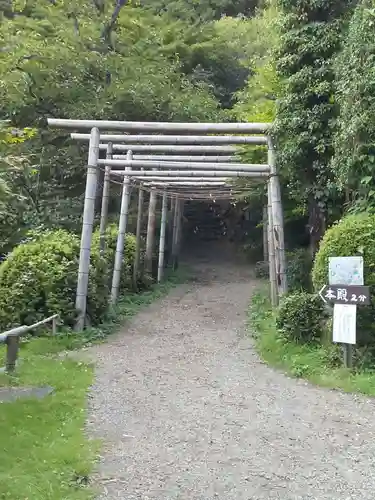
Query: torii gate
{"type": "Point", "coordinates": [178, 167]}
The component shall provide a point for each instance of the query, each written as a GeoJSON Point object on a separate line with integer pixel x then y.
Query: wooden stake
{"type": "Point", "coordinates": [54, 325]}
{"type": "Point", "coordinates": [271, 252]}
{"type": "Point", "coordinates": [119, 256]}
{"type": "Point", "coordinates": [162, 237]}
{"type": "Point", "coordinates": [87, 226]}
{"type": "Point", "coordinates": [12, 342]}
{"type": "Point", "coordinates": [348, 355]}
{"type": "Point", "coordinates": [278, 221]}
{"type": "Point", "coordinates": [105, 200]}
{"type": "Point", "coordinates": [150, 231]}
{"type": "Point", "coordinates": [138, 235]}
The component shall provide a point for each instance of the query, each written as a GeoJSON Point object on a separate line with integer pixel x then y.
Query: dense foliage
{"type": "Point", "coordinates": [109, 254]}
{"type": "Point", "coordinates": [205, 10]}
{"type": "Point", "coordinates": [56, 61]}
{"type": "Point", "coordinates": [39, 279]}
{"type": "Point", "coordinates": [299, 270]}
{"type": "Point", "coordinates": [354, 139]}
{"type": "Point", "coordinates": [300, 317]}
{"type": "Point", "coordinates": [310, 39]}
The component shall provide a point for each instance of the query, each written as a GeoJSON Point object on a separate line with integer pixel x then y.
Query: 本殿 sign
{"type": "Point", "coordinates": [346, 294]}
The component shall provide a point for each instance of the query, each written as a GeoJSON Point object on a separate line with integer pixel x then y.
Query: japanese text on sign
{"type": "Point", "coordinates": [342, 295]}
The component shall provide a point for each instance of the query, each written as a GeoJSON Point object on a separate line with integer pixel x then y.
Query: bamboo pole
{"type": "Point", "coordinates": [162, 237]}
{"type": "Point", "coordinates": [204, 128]}
{"type": "Point", "coordinates": [177, 139]}
{"type": "Point", "coordinates": [119, 255]}
{"type": "Point", "coordinates": [105, 201]}
{"type": "Point", "coordinates": [265, 233]}
{"type": "Point", "coordinates": [233, 167]}
{"type": "Point", "coordinates": [138, 238]}
{"type": "Point", "coordinates": [168, 180]}
{"type": "Point", "coordinates": [188, 184]}
{"type": "Point", "coordinates": [87, 226]}
{"type": "Point", "coordinates": [170, 226]}
{"type": "Point", "coordinates": [191, 173]}
{"type": "Point", "coordinates": [179, 232]}
{"type": "Point", "coordinates": [174, 233]}
{"type": "Point", "coordinates": [150, 231]}
{"type": "Point", "coordinates": [203, 198]}
{"type": "Point", "coordinates": [271, 251]}
{"type": "Point", "coordinates": [189, 158]}
{"type": "Point", "coordinates": [167, 148]}
{"type": "Point", "coordinates": [277, 221]}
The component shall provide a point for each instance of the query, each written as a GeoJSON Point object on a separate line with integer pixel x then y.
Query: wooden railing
{"type": "Point", "coordinates": [12, 340]}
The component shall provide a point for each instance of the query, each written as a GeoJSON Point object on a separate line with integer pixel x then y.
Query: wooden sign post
{"type": "Point", "coordinates": [345, 291]}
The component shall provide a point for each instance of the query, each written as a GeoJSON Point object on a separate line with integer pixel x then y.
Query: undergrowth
{"type": "Point", "coordinates": [320, 364]}
{"type": "Point", "coordinates": [44, 453]}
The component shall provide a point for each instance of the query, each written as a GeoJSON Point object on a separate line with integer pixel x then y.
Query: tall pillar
{"type": "Point", "coordinates": [138, 236]}
{"type": "Point", "coordinates": [162, 237]}
{"type": "Point", "coordinates": [87, 227]}
{"type": "Point", "coordinates": [105, 200]}
{"type": "Point", "coordinates": [150, 231]}
{"type": "Point", "coordinates": [271, 252]}
{"type": "Point", "coordinates": [123, 222]}
{"type": "Point", "coordinates": [278, 221]}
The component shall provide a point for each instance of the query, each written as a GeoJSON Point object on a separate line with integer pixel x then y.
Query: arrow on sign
{"type": "Point", "coordinates": [321, 293]}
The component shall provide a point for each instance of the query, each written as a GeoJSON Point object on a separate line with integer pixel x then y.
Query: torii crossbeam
{"type": "Point", "coordinates": [170, 164]}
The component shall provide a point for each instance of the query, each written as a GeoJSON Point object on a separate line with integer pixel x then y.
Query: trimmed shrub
{"type": "Point", "coordinates": [39, 279]}
{"type": "Point", "coordinates": [110, 251]}
{"type": "Point", "coordinates": [300, 317]}
{"type": "Point", "coordinates": [299, 265]}
{"type": "Point", "coordinates": [353, 235]}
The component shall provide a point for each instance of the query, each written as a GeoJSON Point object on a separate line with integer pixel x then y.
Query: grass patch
{"type": "Point", "coordinates": [320, 364]}
{"type": "Point", "coordinates": [44, 454]}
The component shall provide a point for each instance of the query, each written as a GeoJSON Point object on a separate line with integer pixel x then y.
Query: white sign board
{"type": "Point", "coordinates": [344, 323]}
{"type": "Point", "coordinates": [345, 271]}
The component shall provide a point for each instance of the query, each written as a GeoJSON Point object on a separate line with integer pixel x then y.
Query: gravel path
{"type": "Point", "coordinates": [187, 411]}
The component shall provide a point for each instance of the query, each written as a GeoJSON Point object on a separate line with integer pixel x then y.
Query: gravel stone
{"type": "Point", "coordinates": [187, 411]}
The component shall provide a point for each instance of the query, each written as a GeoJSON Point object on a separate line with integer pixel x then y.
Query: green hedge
{"type": "Point", "coordinates": [300, 317]}
{"type": "Point", "coordinates": [39, 277]}
{"type": "Point", "coordinates": [353, 235]}
{"type": "Point", "coordinates": [110, 251]}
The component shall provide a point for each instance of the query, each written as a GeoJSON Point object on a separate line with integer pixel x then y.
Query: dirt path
{"type": "Point", "coordinates": [187, 411]}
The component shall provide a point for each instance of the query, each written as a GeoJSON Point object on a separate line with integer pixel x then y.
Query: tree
{"type": "Point", "coordinates": [354, 160]}
{"type": "Point", "coordinates": [55, 62]}
{"type": "Point", "coordinates": [310, 39]}
{"type": "Point", "coordinates": [202, 11]}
